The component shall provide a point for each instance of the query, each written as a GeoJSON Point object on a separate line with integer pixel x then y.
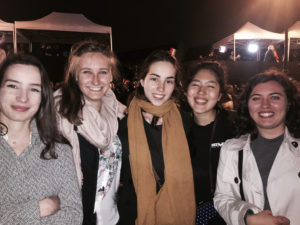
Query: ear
{"type": "Point", "coordinates": [142, 82]}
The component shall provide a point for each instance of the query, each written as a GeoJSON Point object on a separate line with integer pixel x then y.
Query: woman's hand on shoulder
{"type": "Point", "coordinates": [49, 206]}
{"type": "Point", "coordinates": [266, 218]}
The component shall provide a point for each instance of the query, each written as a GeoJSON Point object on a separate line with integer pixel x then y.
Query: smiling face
{"type": "Point", "coordinates": [267, 107]}
{"type": "Point", "coordinates": [203, 93]}
{"type": "Point", "coordinates": [94, 77]}
{"type": "Point", "coordinates": [159, 82]}
{"type": "Point", "coordinates": [20, 94]}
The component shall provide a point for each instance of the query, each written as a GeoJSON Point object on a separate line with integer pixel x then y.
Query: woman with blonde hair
{"type": "Point", "coordinates": [88, 110]}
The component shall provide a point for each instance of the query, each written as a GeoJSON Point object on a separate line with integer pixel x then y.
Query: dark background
{"type": "Point", "coordinates": [184, 24]}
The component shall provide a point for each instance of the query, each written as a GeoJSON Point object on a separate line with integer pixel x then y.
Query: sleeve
{"type": "Point", "coordinates": [227, 200]}
{"type": "Point", "coordinates": [27, 212]}
{"type": "Point", "coordinates": [69, 194]}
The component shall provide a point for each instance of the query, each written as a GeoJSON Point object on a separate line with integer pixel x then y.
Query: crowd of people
{"type": "Point", "coordinates": [181, 148]}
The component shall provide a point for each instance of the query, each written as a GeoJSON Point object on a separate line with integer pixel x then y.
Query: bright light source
{"type": "Point", "coordinates": [252, 48]}
{"type": "Point", "coordinates": [222, 49]}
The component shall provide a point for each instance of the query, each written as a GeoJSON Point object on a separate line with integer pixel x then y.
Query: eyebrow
{"type": "Point", "coordinates": [210, 81]}
{"type": "Point", "coordinates": [273, 93]}
{"type": "Point", "coordinates": [156, 75]}
{"type": "Point", "coordinates": [15, 81]}
{"type": "Point", "coordinates": [87, 68]}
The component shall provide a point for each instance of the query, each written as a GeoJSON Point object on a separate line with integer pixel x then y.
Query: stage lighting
{"type": "Point", "coordinates": [222, 49]}
{"type": "Point", "coordinates": [252, 48]}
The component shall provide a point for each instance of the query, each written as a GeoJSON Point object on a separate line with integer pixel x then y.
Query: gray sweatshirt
{"type": "Point", "coordinates": [26, 179]}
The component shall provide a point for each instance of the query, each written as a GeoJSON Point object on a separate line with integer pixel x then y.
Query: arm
{"type": "Point", "coordinates": [14, 213]}
{"type": "Point", "coordinates": [70, 212]}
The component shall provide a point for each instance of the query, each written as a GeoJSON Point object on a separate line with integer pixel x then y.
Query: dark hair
{"type": "Point", "coordinates": [213, 66]}
{"type": "Point", "coordinates": [71, 92]}
{"type": "Point", "coordinates": [159, 56]}
{"type": "Point", "coordinates": [292, 119]}
{"type": "Point", "coordinates": [45, 116]}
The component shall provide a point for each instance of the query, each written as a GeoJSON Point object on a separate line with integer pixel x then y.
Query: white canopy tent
{"type": "Point", "coordinates": [60, 28]}
{"type": "Point", "coordinates": [293, 37]}
{"type": "Point", "coordinates": [248, 32]}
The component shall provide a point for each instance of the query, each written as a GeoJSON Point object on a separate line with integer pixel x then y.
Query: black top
{"type": "Point", "coordinates": [199, 143]}
{"type": "Point", "coordinates": [127, 202]}
{"type": "Point", "coordinates": [89, 155]}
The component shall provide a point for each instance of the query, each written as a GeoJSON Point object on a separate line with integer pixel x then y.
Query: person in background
{"type": "Point", "coordinates": [211, 128]}
{"type": "Point", "coordinates": [38, 177]}
{"type": "Point", "coordinates": [157, 180]}
{"type": "Point", "coordinates": [271, 55]}
{"type": "Point", "coordinates": [258, 179]}
{"type": "Point", "coordinates": [87, 111]}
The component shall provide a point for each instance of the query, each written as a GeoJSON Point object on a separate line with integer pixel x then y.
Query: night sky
{"type": "Point", "coordinates": [139, 24]}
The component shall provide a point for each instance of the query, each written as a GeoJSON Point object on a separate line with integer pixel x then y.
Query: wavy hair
{"type": "Point", "coordinates": [71, 92]}
{"type": "Point", "coordinates": [292, 119]}
{"type": "Point", "coordinates": [45, 116]}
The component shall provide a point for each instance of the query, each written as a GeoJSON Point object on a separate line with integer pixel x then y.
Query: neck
{"type": "Point", "coordinates": [18, 136]}
{"type": "Point", "coordinates": [271, 133]}
{"type": "Point", "coordinates": [148, 117]}
{"type": "Point", "coordinates": [206, 118]}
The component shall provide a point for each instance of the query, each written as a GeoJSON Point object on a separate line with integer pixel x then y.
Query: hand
{"type": "Point", "coordinates": [266, 218]}
{"type": "Point", "coordinates": [49, 206]}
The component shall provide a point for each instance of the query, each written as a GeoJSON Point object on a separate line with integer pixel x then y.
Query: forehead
{"type": "Point", "coordinates": [94, 59]}
{"type": "Point", "coordinates": [268, 88]}
{"type": "Point", "coordinates": [23, 73]}
{"type": "Point", "coordinates": [162, 69]}
{"type": "Point", "coordinates": [205, 74]}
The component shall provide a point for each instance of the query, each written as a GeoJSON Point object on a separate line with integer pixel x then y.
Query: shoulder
{"type": "Point", "coordinates": [63, 151]}
{"type": "Point", "coordinates": [236, 144]}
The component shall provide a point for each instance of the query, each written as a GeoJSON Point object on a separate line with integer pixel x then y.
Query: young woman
{"type": "Point", "coordinates": [265, 157]}
{"type": "Point", "coordinates": [38, 179]}
{"type": "Point", "coordinates": [212, 126]}
{"type": "Point", "coordinates": [87, 111]}
{"type": "Point", "coordinates": [157, 182]}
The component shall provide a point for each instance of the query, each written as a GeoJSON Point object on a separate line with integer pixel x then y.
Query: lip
{"type": "Point", "coordinates": [95, 88]}
{"type": "Point", "coordinates": [158, 96]}
{"type": "Point", "coordinates": [200, 101]}
{"type": "Point", "coordinates": [266, 114]}
{"type": "Point", "coordinates": [20, 108]}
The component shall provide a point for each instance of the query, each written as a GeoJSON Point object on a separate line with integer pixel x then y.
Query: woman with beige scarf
{"type": "Point", "coordinates": [157, 179]}
{"type": "Point", "coordinates": [87, 116]}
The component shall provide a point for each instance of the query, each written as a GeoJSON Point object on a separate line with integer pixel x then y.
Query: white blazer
{"type": "Point", "coordinates": [283, 187]}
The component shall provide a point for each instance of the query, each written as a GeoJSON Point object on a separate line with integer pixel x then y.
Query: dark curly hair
{"type": "Point", "coordinates": [214, 66]}
{"type": "Point", "coordinates": [292, 119]}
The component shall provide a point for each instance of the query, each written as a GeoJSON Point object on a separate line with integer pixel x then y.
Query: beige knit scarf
{"type": "Point", "coordinates": [174, 203]}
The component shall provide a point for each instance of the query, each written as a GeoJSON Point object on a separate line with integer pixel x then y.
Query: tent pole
{"type": "Point", "coordinates": [15, 38]}
{"type": "Point", "coordinates": [234, 53]}
{"type": "Point", "coordinates": [111, 45]}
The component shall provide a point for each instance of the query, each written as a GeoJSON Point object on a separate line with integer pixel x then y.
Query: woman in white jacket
{"type": "Point", "coordinates": [268, 136]}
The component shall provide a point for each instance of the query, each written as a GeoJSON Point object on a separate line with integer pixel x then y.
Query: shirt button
{"type": "Point", "coordinates": [236, 180]}
{"type": "Point", "coordinates": [295, 144]}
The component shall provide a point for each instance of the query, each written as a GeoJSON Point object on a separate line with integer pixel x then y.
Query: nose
{"type": "Point", "coordinates": [201, 89]}
{"type": "Point", "coordinates": [22, 96]}
{"type": "Point", "coordinates": [96, 79]}
{"type": "Point", "coordinates": [161, 86]}
{"type": "Point", "coordinates": [265, 102]}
